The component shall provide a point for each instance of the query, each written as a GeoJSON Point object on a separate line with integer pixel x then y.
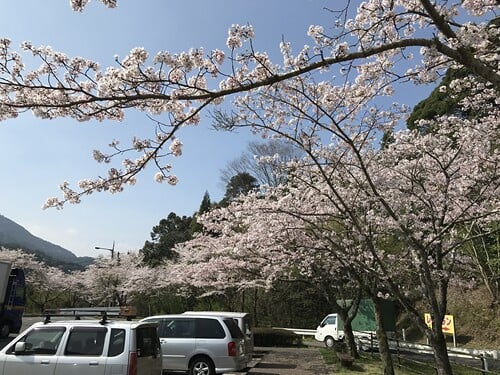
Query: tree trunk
{"type": "Point", "coordinates": [383, 342]}
{"type": "Point", "coordinates": [255, 317]}
{"type": "Point", "coordinates": [438, 343]}
{"type": "Point", "coordinates": [242, 306]}
{"type": "Point", "coordinates": [349, 340]}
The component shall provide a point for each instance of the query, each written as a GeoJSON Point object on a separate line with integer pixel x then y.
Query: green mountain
{"type": "Point", "coordinates": [14, 236]}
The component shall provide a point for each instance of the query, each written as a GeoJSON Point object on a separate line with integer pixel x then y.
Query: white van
{"type": "Point", "coordinates": [244, 321]}
{"type": "Point", "coordinates": [200, 344]}
{"type": "Point", "coordinates": [84, 347]}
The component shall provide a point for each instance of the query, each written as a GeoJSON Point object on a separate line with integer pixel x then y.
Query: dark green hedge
{"type": "Point", "coordinates": [275, 337]}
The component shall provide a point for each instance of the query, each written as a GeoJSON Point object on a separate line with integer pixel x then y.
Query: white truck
{"type": "Point", "coordinates": [12, 298]}
{"type": "Point", "coordinates": [331, 328]}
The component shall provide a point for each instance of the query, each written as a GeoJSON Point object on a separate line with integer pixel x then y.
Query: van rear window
{"type": "Point", "coordinates": [209, 329]}
{"type": "Point", "coordinates": [233, 328]}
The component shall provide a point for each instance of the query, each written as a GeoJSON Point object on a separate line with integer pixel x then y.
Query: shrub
{"type": "Point", "coordinates": [276, 337]}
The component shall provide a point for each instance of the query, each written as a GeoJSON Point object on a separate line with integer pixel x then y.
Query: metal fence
{"type": "Point", "coordinates": [482, 361]}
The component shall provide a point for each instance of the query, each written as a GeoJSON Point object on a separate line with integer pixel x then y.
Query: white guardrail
{"type": "Point", "coordinates": [418, 348]}
{"type": "Point", "coordinates": [299, 331]}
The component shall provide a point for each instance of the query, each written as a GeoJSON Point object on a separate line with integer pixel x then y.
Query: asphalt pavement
{"type": "Point", "coordinates": [288, 361]}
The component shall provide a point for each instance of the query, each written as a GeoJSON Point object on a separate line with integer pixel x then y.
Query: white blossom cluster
{"type": "Point", "coordinates": [79, 5]}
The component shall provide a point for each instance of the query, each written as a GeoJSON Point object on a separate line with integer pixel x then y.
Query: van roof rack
{"type": "Point", "coordinates": [128, 312]}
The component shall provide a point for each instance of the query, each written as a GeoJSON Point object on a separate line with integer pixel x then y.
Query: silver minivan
{"type": "Point", "coordinates": [202, 345]}
{"type": "Point", "coordinates": [84, 347]}
{"type": "Point", "coordinates": [244, 321]}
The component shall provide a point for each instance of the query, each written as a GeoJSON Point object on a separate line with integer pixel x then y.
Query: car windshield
{"type": "Point", "coordinates": [43, 340]}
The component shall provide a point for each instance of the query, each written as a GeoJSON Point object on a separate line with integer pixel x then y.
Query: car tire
{"type": "Point", "coordinates": [201, 366]}
{"type": "Point", "coordinates": [329, 342]}
{"type": "Point", "coordinates": [4, 329]}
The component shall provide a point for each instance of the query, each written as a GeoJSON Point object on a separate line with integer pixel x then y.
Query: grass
{"type": "Point", "coordinates": [371, 365]}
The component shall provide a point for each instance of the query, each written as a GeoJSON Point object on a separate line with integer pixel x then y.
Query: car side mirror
{"type": "Point", "coordinates": [20, 347]}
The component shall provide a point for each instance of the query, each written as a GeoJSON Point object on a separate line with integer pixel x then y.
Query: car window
{"type": "Point", "coordinates": [42, 340]}
{"type": "Point", "coordinates": [86, 341]}
{"type": "Point", "coordinates": [247, 321]}
{"type": "Point", "coordinates": [147, 342]}
{"type": "Point", "coordinates": [178, 328]}
{"type": "Point", "coordinates": [234, 330]}
{"type": "Point", "coordinates": [247, 326]}
{"type": "Point", "coordinates": [116, 342]}
{"type": "Point", "coordinates": [209, 329]}
{"type": "Point", "coordinates": [330, 320]}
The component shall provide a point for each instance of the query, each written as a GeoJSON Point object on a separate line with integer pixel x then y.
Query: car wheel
{"type": "Point", "coordinates": [329, 342]}
{"type": "Point", "coordinates": [4, 329]}
{"type": "Point", "coordinates": [201, 366]}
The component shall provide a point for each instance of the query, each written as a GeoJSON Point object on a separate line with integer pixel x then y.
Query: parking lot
{"type": "Point", "coordinates": [267, 361]}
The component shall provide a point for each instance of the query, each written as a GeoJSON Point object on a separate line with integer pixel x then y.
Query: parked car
{"type": "Point", "coordinates": [202, 345]}
{"type": "Point", "coordinates": [84, 347]}
{"type": "Point", "coordinates": [244, 321]}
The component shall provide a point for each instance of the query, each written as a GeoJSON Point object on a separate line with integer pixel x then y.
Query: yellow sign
{"type": "Point", "coordinates": [448, 324]}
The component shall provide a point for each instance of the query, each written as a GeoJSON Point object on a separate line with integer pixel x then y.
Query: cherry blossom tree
{"type": "Point", "coordinates": [423, 188]}
{"type": "Point", "coordinates": [282, 236]}
{"type": "Point", "coordinates": [116, 281]}
{"type": "Point", "coordinates": [45, 285]}
{"type": "Point", "coordinates": [340, 214]}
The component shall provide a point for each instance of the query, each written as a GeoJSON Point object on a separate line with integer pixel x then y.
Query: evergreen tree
{"type": "Point", "coordinates": [205, 206]}
{"type": "Point", "coordinates": [438, 103]}
{"type": "Point", "coordinates": [242, 183]}
{"type": "Point", "coordinates": [164, 237]}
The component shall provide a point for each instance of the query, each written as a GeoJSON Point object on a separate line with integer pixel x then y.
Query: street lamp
{"type": "Point", "coordinates": [112, 249]}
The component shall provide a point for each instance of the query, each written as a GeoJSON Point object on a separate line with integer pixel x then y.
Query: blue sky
{"type": "Point", "coordinates": [37, 155]}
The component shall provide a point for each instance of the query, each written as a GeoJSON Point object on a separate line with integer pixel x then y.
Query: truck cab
{"type": "Point", "coordinates": [328, 332]}
{"type": "Point", "coordinates": [12, 299]}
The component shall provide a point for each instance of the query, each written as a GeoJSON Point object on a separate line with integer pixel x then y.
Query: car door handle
{"type": "Point", "coordinates": [93, 363]}
{"type": "Point", "coordinates": [45, 362]}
